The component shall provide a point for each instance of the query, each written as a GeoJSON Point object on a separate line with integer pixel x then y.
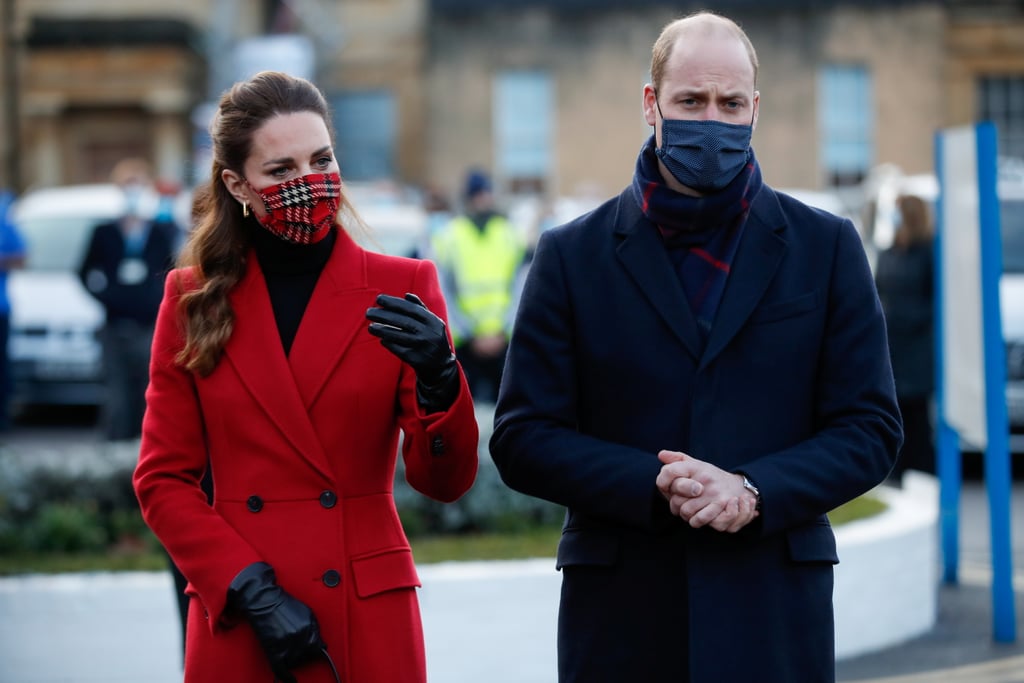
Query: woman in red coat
{"type": "Point", "coordinates": [287, 359]}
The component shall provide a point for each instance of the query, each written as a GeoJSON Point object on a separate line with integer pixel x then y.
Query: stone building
{"type": "Point", "coordinates": [88, 82]}
{"type": "Point", "coordinates": [544, 93]}
{"type": "Point", "coordinates": [845, 86]}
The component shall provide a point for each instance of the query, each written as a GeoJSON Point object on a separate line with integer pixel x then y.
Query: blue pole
{"type": "Point", "coordinates": [947, 441]}
{"type": "Point", "coordinates": [997, 454]}
{"type": "Point", "coordinates": [949, 469]}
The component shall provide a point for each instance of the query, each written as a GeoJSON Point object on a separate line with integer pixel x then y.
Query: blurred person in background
{"type": "Point", "coordinates": [12, 256]}
{"type": "Point", "coordinates": [287, 362]}
{"type": "Point", "coordinates": [479, 256]}
{"type": "Point", "coordinates": [439, 213]}
{"type": "Point", "coordinates": [904, 275]}
{"type": "Point", "coordinates": [124, 268]}
{"type": "Point", "coordinates": [698, 372]}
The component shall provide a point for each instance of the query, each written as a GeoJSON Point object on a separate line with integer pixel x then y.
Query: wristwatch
{"type": "Point", "coordinates": [749, 485]}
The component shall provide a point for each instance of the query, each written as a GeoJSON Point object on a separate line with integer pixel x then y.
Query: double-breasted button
{"type": "Point", "coordinates": [255, 503]}
{"type": "Point", "coordinates": [437, 446]}
{"type": "Point", "coordinates": [331, 578]}
{"type": "Point", "coordinates": [328, 499]}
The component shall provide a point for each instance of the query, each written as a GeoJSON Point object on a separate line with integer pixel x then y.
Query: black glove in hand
{"type": "Point", "coordinates": [408, 329]}
{"type": "Point", "coordinates": [286, 628]}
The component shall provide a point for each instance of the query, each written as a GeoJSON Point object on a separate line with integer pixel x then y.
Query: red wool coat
{"type": "Point", "coordinates": [302, 450]}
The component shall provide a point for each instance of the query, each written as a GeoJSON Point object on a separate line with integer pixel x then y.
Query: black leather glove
{"type": "Point", "coordinates": [286, 628]}
{"type": "Point", "coordinates": [408, 329]}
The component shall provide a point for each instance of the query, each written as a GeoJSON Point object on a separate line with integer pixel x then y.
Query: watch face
{"type": "Point", "coordinates": [753, 489]}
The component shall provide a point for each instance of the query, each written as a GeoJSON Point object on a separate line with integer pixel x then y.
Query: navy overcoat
{"type": "Point", "coordinates": [793, 387]}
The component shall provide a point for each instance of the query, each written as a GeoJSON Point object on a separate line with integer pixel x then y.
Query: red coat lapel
{"type": "Point", "coordinates": [256, 354]}
{"type": "Point", "coordinates": [334, 317]}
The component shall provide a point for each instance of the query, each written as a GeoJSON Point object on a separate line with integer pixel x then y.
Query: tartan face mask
{"type": "Point", "coordinates": [301, 210]}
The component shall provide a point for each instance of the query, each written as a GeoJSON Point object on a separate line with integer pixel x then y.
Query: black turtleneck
{"type": "Point", "coordinates": [291, 271]}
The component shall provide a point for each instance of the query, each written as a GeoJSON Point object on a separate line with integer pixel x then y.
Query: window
{"type": "Point", "coordinates": [365, 124]}
{"type": "Point", "coordinates": [523, 114]}
{"type": "Point", "coordinates": [845, 123]}
{"type": "Point", "coordinates": [1001, 101]}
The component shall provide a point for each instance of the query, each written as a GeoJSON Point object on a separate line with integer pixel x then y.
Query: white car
{"type": "Point", "coordinates": [54, 345]}
{"type": "Point", "coordinates": [394, 219]}
{"type": "Point", "coordinates": [1011, 299]}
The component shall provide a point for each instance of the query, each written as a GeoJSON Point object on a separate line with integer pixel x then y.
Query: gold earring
{"type": "Point", "coordinates": [245, 209]}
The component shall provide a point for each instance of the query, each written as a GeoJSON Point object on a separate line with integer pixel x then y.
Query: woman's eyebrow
{"type": "Point", "coordinates": [274, 162]}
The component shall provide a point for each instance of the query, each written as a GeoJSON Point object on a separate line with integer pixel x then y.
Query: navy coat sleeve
{"type": "Point", "coordinates": [857, 430]}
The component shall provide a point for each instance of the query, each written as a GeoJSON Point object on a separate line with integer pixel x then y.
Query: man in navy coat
{"type": "Point", "coordinates": [124, 268]}
{"type": "Point", "coordinates": [699, 373]}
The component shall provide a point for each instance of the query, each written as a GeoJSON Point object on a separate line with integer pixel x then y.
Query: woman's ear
{"type": "Point", "coordinates": [236, 186]}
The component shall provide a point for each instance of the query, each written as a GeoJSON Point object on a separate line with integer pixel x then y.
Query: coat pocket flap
{"type": "Point", "coordinates": [389, 570]}
{"type": "Point", "coordinates": [579, 547]}
{"type": "Point", "coordinates": [780, 310]}
{"type": "Point", "coordinates": [812, 543]}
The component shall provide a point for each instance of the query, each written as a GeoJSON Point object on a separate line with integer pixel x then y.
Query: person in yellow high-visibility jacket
{"type": "Point", "coordinates": [479, 257]}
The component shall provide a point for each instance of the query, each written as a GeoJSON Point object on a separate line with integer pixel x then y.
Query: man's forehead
{"type": "Point", "coordinates": [719, 52]}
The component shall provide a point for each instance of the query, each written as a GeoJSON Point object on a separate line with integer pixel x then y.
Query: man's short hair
{"type": "Point", "coordinates": [708, 21]}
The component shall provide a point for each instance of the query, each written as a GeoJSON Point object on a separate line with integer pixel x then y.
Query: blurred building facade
{"type": "Point", "coordinates": [544, 93]}
{"type": "Point", "coordinates": [549, 93]}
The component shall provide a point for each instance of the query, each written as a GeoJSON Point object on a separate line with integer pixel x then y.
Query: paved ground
{"type": "Point", "coordinates": [484, 622]}
{"type": "Point", "coordinates": [489, 622]}
{"type": "Point", "coordinates": [961, 648]}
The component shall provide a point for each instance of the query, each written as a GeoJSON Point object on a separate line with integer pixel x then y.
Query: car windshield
{"type": "Point", "coordinates": [55, 243]}
{"type": "Point", "coordinates": [1012, 220]}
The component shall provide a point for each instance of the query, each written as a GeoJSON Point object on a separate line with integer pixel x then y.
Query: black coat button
{"type": "Point", "coordinates": [255, 503]}
{"type": "Point", "coordinates": [331, 578]}
{"type": "Point", "coordinates": [437, 446]}
{"type": "Point", "coordinates": [328, 499]}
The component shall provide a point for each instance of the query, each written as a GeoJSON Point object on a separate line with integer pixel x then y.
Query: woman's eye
{"type": "Point", "coordinates": [279, 172]}
{"type": "Point", "coordinates": [324, 161]}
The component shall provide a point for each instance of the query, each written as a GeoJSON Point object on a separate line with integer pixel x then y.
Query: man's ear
{"type": "Point", "coordinates": [650, 103]}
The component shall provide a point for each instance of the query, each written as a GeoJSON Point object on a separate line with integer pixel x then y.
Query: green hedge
{"type": "Point", "coordinates": [67, 507]}
{"type": "Point", "coordinates": [63, 511]}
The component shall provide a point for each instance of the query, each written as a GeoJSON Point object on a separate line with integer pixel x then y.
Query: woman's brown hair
{"type": "Point", "coordinates": [219, 243]}
{"type": "Point", "coordinates": [915, 221]}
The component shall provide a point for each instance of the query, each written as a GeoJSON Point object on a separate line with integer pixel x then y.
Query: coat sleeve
{"type": "Point", "coordinates": [439, 449]}
{"type": "Point", "coordinates": [536, 445]}
{"type": "Point", "coordinates": [172, 461]}
{"type": "Point", "coordinates": [858, 425]}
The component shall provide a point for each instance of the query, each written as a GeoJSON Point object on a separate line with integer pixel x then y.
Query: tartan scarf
{"type": "Point", "coordinates": [700, 233]}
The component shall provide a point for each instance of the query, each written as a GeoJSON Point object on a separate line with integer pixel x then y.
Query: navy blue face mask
{"type": "Point", "coordinates": [703, 155]}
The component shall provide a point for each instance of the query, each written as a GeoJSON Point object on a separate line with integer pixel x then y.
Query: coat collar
{"type": "Point", "coordinates": [646, 260]}
{"type": "Point", "coordinates": [757, 258]}
{"type": "Point", "coordinates": [287, 387]}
